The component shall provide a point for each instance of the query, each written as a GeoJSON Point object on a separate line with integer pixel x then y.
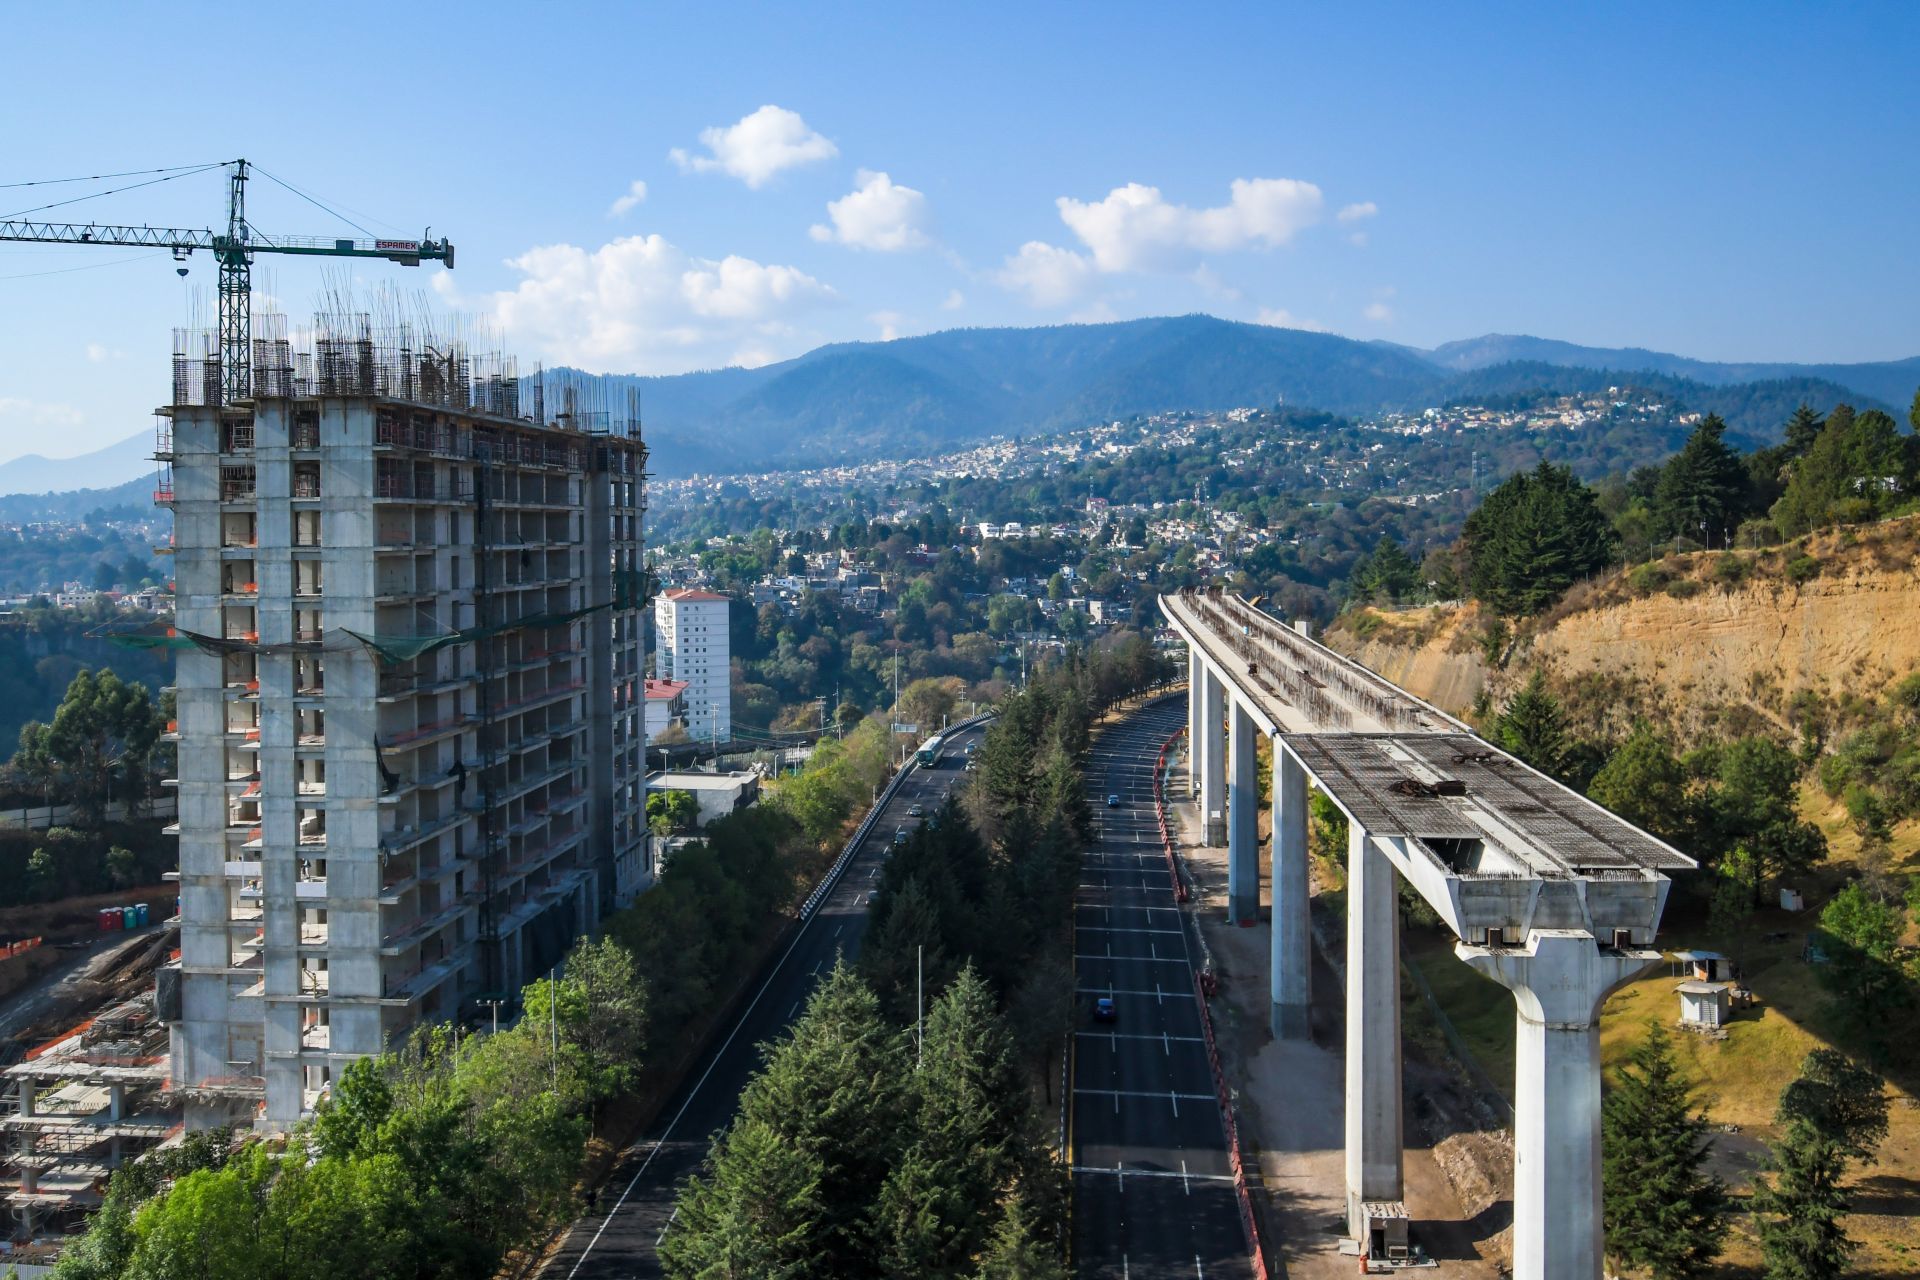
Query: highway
{"type": "Point", "coordinates": [1152, 1187]}
{"type": "Point", "coordinates": [619, 1238]}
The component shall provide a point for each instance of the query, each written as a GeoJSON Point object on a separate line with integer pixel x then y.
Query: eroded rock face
{"type": "Point", "coordinates": [1693, 647]}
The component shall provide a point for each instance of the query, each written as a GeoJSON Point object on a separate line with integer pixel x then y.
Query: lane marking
{"type": "Point", "coordinates": [1121, 1035]}
{"type": "Point", "coordinates": [1121, 1171]}
{"type": "Point", "coordinates": [1125, 991]}
{"type": "Point", "coordinates": [1150, 1093]}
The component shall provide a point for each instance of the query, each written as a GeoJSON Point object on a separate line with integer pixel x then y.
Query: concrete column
{"type": "Point", "coordinates": [27, 1091]}
{"type": "Point", "coordinates": [1558, 982]}
{"type": "Point", "coordinates": [116, 1101]}
{"type": "Point", "coordinates": [1243, 818]}
{"type": "Point", "coordinates": [1196, 694]}
{"type": "Point", "coordinates": [1292, 928]}
{"type": "Point", "coordinates": [1213, 757]}
{"type": "Point", "coordinates": [1374, 1140]}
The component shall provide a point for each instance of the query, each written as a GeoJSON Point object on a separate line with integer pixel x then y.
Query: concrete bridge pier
{"type": "Point", "coordinates": [1373, 1122]}
{"type": "Point", "coordinates": [1558, 980]}
{"type": "Point", "coordinates": [1196, 673]}
{"type": "Point", "coordinates": [1292, 940]}
{"type": "Point", "coordinates": [1243, 817]}
{"type": "Point", "coordinates": [1212, 746]}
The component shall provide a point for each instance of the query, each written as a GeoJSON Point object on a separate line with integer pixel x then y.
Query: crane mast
{"type": "Point", "coordinates": [233, 252]}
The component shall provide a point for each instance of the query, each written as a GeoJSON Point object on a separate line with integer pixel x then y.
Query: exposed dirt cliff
{"type": "Point", "coordinates": [1689, 642]}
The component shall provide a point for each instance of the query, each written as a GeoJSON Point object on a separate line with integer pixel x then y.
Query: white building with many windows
{"type": "Point", "coordinates": [690, 644]}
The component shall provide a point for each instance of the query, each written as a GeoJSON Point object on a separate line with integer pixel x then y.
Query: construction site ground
{"type": "Point", "coordinates": [109, 968]}
{"type": "Point", "coordinates": [1291, 1095]}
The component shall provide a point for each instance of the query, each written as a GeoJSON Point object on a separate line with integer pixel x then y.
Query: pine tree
{"type": "Point", "coordinates": [1834, 1111]}
{"type": "Point", "coordinates": [1386, 574]}
{"type": "Point", "coordinates": [1664, 1214]}
{"type": "Point", "coordinates": [1702, 487]}
{"type": "Point", "coordinates": [1801, 1209]}
{"type": "Point", "coordinates": [1645, 783]}
{"type": "Point", "coordinates": [1533, 726]}
{"type": "Point", "coordinates": [1803, 428]}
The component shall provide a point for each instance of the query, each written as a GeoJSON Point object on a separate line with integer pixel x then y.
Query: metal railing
{"type": "Point", "coordinates": [828, 882]}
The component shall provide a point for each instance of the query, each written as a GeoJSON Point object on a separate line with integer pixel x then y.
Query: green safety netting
{"type": "Point", "coordinates": [632, 588]}
{"type": "Point", "coordinates": [404, 648]}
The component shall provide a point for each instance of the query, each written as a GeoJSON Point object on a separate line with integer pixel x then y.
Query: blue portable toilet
{"type": "Point", "coordinates": [140, 914]}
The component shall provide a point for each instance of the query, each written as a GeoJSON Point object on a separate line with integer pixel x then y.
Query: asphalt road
{"type": "Point", "coordinates": [1152, 1185]}
{"type": "Point", "coordinates": [619, 1239]}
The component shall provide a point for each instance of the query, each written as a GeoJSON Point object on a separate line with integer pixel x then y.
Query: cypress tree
{"type": "Point", "coordinates": [1020, 1249]}
{"type": "Point", "coordinates": [755, 1211]}
{"type": "Point", "coordinates": [1534, 536]}
{"type": "Point", "coordinates": [1664, 1213]}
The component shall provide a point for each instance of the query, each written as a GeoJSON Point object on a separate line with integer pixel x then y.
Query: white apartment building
{"type": "Point", "coordinates": [411, 757]}
{"type": "Point", "coordinates": [690, 644]}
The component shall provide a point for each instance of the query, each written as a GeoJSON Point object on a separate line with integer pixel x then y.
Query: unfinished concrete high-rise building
{"type": "Point", "coordinates": [410, 722]}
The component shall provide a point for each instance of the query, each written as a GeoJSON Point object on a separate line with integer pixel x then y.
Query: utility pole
{"type": "Point", "coordinates": [553, 1023]}
{"type": "Point", "coordinates": [919, 1005]}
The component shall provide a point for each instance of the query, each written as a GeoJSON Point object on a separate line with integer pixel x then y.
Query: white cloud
{"type": "Point", "coordinates": [636, 194]}
{"type": "Point", "coordinates": [954, 301]}
{"type": "Point", "coordinates": [1378, 312]}
{"type": "Point", "coordinates": [889, 324]}
{"type": "Point", "coordinates": [878, 215]}
{"type": "Point", "coordinates": [1134, 228]}
{"type": "Point", "coordinates": [97, 354]}
{"type": "Point", "coordinates": [640, 304]}
{"type": "Point", "coordinates": [757, 147]}
{"type": "Point", "coordinates": [1281, 318]}
{"type": "Point", "coordinates": [1047, 275]}
{"type": "Point", "coordinates": [1355, 212]}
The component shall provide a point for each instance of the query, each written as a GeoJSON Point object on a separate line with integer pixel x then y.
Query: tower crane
{"type": "Point", "coordinates": [233, 250]}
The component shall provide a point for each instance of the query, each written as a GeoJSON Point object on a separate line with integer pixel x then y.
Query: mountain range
{"type": "Point", "coordinates": [854, 401]}
{"type": "Point", "coordinates": [914, 396]}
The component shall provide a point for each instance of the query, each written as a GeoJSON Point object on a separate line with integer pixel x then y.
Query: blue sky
{"type": "Point", "coordinates": [1730, 181]}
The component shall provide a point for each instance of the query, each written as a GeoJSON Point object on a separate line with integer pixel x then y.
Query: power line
{"type": "Point", "coordinates": [132, 186]}
{"type": "Point", "coordinates": [61, 271]}
{"type": "Point", "coordinates": [102, 177]}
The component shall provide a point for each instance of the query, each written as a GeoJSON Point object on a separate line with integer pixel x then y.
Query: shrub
{"type": "Point", "coordinates": [1648, 578]}
{"type": "Point", "coordinates": [1802, 569]}
{"type": "Point", "coordinates": [1731, 570]}
{"type": "Point", "coordinates": [1684, 588]}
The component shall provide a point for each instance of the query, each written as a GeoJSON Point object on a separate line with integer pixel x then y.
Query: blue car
{"type": "Point", "coordinates": [1103, 1010]}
